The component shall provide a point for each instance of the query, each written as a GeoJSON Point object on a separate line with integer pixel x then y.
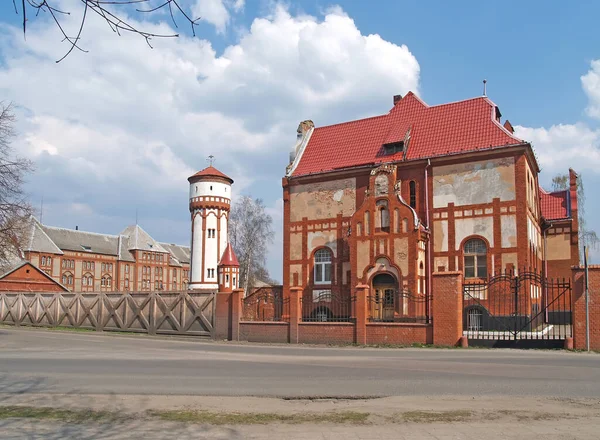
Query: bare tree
{"type": "Point", "coordinates": [107, 10]}
{"type": "Point", "coordinates": [587, 237]}
{"type": "Point", "coordinates": [14, 208]}
{"type": "Point", "coordinates": [250, 232]}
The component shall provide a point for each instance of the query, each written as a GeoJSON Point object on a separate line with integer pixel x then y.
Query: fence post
{"type": "Point", "coordinates": [223, 315]}
{"type": "Point", "coordinates": [99, 317]}
{"type": "Point", "coordinates": [19, 309]}
{"type": "Point", "coordinates": [447, 308]}
{"type": "Point", "coordinates": [360, 313]}
{"type": "Point", "coordinates": [152, 314]}
{"type": "Point", "coordinates": [295, 313]}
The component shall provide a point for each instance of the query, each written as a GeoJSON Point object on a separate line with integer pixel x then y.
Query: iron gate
{"type": "Point", "coordinates": [517, 309]}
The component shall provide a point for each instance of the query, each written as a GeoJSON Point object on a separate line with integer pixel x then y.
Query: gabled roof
{"type": "Point", "coordinates": [138, 239]}
{"type": "Point", "coordinates": [179, 254]}
{"type": "Point", "coordinates": [39, 241]}
{"type": "Point", "coordinates": [209, 172]}
{"type": "Point", "coordinates": [440, 130]}
{"type": "Point", "coordinates": [555, 205]}
{"type": "Point", "coordinates": [19, 264]}
{"type": "Point", "coordinates": [83, 241]}
{"type": "Point", "coordinates": [229, 258]}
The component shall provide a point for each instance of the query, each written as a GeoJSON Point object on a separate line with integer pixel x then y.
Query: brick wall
{"type": "Point", "coordinates": [326, 333]}
{"type": "Point", "coordinates": [399, 334]}
{"type": "Point", "coordinates": [578, 310]}
{"type": "Point", "coordinates": [264, 332]}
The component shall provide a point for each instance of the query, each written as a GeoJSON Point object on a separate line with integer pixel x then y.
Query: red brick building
{"type": "Point", "coordinates": [25, 277]}
{"type": "Point", "coordinates": [390, 200]}
{"type": "Point", "coordinates": [91, 262]}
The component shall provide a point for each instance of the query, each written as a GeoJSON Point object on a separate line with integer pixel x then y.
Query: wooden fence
{"type": "Point", "coordinates": [175, 313]}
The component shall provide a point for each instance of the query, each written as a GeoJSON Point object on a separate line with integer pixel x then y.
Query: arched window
{"type": "Point", "coordinates": [384, 215]}
{"type": "Point", "coordinates": [323, 267]}
{"type": "Point", "coordinates": [475, 257]}
{"type": "Point", "coordinates": [126, 284]}
{"type": "Point", "coordinates": [413, 194]}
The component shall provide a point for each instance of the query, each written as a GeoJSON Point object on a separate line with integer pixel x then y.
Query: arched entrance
{"type": "Point", "coordinates": [384, 288]}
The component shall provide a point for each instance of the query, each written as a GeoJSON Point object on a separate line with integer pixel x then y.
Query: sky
{"type": "Point", "coordinates": [116, 131]}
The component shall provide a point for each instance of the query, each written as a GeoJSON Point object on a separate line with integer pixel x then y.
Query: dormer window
{"type": "Point", "coordinates": [393, 148]}
{"type": "Point", "coordinates": [86, 248]}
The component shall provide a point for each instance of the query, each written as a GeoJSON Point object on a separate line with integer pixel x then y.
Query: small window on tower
{"type": "Point", "coordinates": [211, 187]}
{"type": "Point", "coordinates": [196, 189]}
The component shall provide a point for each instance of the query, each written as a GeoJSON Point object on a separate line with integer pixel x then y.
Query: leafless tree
{"type": "Point", "coordinates": [587, 237]}
{"type": "Point", "coordinates": [14, 207]}
{"type": "Point", "coordinates": [250, 232]}
{"type": "Point", "coordinates": [109, 11]}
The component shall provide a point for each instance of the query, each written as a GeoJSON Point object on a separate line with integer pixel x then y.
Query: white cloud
{"type": "Point", "coordinates": [124, 125]}
{"type": "Point", "coordinates": [570, 145]}
{"type": "Point", "coordinates": [212, 11]}
{"type": "Point", "coordinates": [565, 145]}
{"type": "Point", "coordinates": [591, 85]}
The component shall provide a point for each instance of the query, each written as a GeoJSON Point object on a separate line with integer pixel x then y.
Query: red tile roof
{"type": "Point", "coordinates": [439, 130]}
{"type": "Point", "coordinates": [555, 205]}
{"type": "Point", "coordinates": [210, 172]}
{"type": "Point", "coordinates": [229, 258]}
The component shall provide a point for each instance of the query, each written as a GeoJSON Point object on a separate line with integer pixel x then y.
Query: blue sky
{"type": "Point", "coordinates": [118, 129]}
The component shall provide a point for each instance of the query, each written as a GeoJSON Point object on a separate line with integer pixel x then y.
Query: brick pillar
{"type": "Point", "coordinates": [578, 307]}
{"type": "Point", "coordinates": [237, 297]}
{"type": "Point", "coordinates": [223, 315]}
{"type": "Point", "coordinates": [228, 312]}
{"type": "Point", "coordinates": [447, 308]}
{"type": "Point", "coordinates": [295, 313]}
{"type": "Point", "coordinates": [360, 313]}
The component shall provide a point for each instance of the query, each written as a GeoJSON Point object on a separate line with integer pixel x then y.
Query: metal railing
{"type": "Point", "coordinates": [326, 307]}
{"type": "Point", "coordinates": [265, 306]}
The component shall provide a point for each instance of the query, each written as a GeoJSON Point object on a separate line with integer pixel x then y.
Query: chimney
{"type": "Point", "coordinates": [397, 99]}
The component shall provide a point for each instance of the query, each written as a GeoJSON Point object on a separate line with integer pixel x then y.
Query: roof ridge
{"type": "Point", "coordinates": [353, 121]}
{"type": "Point", "coordinates": [56, 228]}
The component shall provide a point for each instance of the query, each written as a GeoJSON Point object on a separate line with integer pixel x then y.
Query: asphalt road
{"type": "Point", "coordinates": [42, 361]}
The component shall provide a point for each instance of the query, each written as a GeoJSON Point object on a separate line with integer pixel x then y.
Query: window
{"type": "Point", "coordinates": [43, 261]}
{"type": "Point", "coordinates": [413, 194]}
{"type": "Point", "coordinates": [127, 268]}
{"type": "Point", "coordinates": [323, 266]}
{"type": "Point", "coordinates": [394, 147]}
{"type": "Point", "coordinates": [126, 284]}
{"type": "Point", "coordinates": [384, 215]}
{"type": "Point", "coordinates": [174, 285]}
{"type": "Point", "coordinates": [174, 273]}
{"type": "Point", "coordinates": [475, 255]}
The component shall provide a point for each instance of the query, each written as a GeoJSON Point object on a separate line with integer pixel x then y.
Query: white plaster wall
{"type": "Point", "coordinates": [483, 226]}
{"type": "Point", "coordinates": [219, 189]}
{"type": "Point", "coordinates": [508, 224]}
{"type": "Point", "coordinates": [223, 235]}
{"type": "Point", "coordinates": [211, 257]}
{"type": "Point", "coordinates": [197, 239]}
{"type": "Point", "coordinates": [474, 182]}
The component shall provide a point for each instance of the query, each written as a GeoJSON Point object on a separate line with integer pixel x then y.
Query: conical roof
{"type": "Point", "coordinates": [209, 172]}
{"type": "Point", "coordinates": [229, 258]}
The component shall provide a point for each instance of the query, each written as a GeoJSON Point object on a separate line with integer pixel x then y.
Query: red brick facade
{"type": "Point", "coordinates": [28, 278]}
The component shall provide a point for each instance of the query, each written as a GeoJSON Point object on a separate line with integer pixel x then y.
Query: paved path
{"type": "Point", "coordinates": [508, 394]}
{"type": "Point", "coordinates": [45, 361]}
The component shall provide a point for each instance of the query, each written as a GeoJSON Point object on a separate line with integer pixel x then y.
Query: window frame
{"type": "Point", "coordinates": [478, 259]}
{"type": "Point", "coordinates": [323, 268]}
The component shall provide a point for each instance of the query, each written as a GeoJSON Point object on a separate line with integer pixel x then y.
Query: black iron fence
{"type": "Point", "coordinates": [391, 305]}
{"type": "Point", "coordinates": [522, 305]}
{"type": "Point", "coordinates": [326, 307]}
{"type": "Point", "coordinates": [265, 306]}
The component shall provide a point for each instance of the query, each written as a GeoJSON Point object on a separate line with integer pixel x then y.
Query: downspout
{"type": "Point", "coordinates": [429, 293]}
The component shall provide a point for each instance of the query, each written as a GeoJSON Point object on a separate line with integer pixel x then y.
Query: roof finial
{"type": "Point", "coordinates": [211, 159]}
{"type": "Point", "coordinates": [484, 87]}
